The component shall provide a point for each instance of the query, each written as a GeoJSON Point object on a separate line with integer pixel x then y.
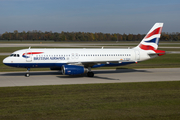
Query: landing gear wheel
{"type": "Point", "coordinates": [27, 75]}
{"type": "Point", "coordinates": [90, 74]}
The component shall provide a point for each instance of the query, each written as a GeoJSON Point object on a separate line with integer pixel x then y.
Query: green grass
{"type": "Point", "coordinates": [12, 49]}
{"type": "Point", "coordinates": [63, 42]}
{"type": "Point", "coordinates": [169, 45]}
{"type": "Point", "coordinates": [170, 49]}
{"type": "Point", "coordinates": [127, 101]}
{"type": "Point", "coordinates": [136, 43]}
{"type": "Point", "coordinates": [165, 61]}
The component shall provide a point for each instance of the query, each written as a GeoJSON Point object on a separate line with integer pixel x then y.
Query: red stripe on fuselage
{"type": "Point", "coordinates": [32, 53]}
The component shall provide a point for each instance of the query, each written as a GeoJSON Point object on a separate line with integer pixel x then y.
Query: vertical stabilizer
{"type": "Point", "coordinates": [151, 40]}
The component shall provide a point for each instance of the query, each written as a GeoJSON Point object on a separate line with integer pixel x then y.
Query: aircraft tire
{"type": "Point", "coordinates": [90, 74]}
{"type": "Point", "coordinates": [27, 75]}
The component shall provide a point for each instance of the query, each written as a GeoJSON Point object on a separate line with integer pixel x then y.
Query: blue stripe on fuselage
{"type": "Point", "coordinates": [35, 65]}
{"type": "Point", "coordinates": [48, 65]}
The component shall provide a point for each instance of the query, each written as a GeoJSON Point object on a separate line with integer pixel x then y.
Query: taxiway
{"type": "Point", "coordinates": [8, 79]}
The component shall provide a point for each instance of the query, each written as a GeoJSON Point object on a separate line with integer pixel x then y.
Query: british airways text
{"type": "Point", "coordinates": [49, 58]}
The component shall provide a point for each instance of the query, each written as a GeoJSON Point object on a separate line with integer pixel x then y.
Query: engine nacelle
{"type": "Point", "coordinates": [73, 70]}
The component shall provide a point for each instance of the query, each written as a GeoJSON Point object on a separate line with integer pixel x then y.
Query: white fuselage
{"type": "Point", "coordinates": [28, 58]}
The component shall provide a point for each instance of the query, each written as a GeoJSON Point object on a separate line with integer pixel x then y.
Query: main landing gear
{"type": "Point", "coordinates": [90, 74]}
{"type": "Point", "coordinates": [27, 73]}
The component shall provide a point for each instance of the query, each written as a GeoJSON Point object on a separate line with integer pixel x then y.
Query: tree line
{"type": "Point", "coordinates": [81, 36]}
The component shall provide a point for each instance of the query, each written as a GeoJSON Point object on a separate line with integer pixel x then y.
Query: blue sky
{"type": "Point", "coordinates": [107, 16]}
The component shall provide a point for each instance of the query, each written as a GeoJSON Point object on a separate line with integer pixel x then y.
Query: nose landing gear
{"type": "Point", "coordinates": [27, 73]}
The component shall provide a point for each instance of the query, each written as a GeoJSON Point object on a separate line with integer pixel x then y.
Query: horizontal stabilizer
{"type": "Point", "coordinates": [158, 52]}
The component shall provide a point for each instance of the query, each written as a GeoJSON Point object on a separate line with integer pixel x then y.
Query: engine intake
{"type": "Point", "coordinates": [73, 70]}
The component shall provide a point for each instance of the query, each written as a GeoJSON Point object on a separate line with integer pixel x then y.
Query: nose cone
{"type": "Point", "coordinates": [9, 62]}
{"type": "Point", "coordinates": [6, 61]}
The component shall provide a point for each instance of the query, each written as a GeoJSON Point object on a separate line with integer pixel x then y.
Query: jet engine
{"type": "Point", "coordinates": [73, 70]}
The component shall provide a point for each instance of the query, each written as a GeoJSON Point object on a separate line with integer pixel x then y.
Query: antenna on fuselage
{"type": "Point", "coordinates": [29, 47]}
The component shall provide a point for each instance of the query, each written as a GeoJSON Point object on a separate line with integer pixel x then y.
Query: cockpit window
{"type": "Point", "coordinates": [14, 55]}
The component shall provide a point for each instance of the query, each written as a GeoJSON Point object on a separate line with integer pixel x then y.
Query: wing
{"type": "Point", "coordinates": [87, 64]}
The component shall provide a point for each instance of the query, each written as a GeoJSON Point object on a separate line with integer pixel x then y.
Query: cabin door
{"type": "Point", "coordinates": [28, 55]}
{"type": "Point", "coordinates": [137, 55]}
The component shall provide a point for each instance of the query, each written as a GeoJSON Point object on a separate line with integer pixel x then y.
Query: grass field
{"type": "Point", "coordinates": [124, 101]}
{"type": "Point", "coordinates": [12, 49]}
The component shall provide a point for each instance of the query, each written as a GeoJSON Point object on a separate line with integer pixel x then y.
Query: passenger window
{"type": "Point", "coordinates": [17, 55]}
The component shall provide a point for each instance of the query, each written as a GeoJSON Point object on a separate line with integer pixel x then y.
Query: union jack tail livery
{"type": "Point", "coordinates": [151, 40]}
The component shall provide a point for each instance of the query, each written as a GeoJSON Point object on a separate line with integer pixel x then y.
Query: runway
{"type": "Point", "coordinates": [8, 79]}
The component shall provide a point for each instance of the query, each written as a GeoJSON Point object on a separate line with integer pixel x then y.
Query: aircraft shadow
{"type": "Point", "coordinates": [104, 72]}
{"type": "Point", "coordinates": [59, 74]}
{"type": "Point", "coordinates": [34, 73]}
{"type": "Point", "coordinates": [118, 71]}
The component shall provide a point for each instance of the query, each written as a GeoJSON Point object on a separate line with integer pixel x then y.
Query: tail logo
{"type": "Point", "coordinates": [151, 40]}
{"type": "Point", "coordinates": [154, 32]}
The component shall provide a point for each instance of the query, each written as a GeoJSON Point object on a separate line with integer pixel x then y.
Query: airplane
{"type": "Point", "coordinates": [80, 61]}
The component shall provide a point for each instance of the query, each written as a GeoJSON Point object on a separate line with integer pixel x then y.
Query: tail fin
{"type": "Point", "coordinates": [151, 40]}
